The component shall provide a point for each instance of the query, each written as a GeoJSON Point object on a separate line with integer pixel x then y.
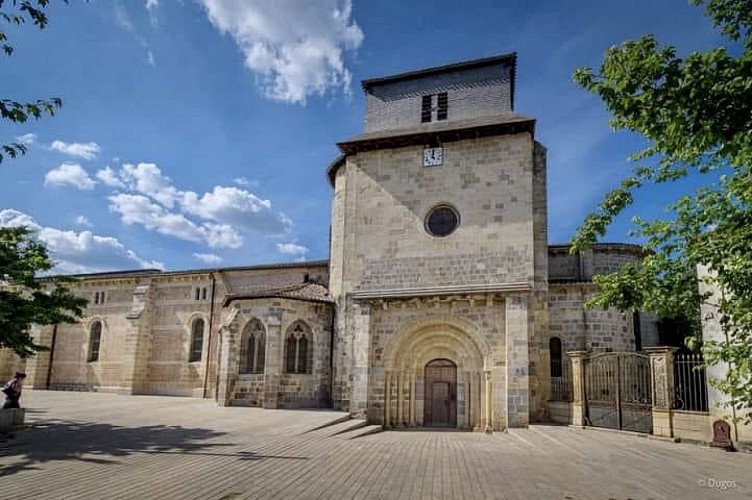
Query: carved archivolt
{"type": "Point", "coordinates": [448, 338]}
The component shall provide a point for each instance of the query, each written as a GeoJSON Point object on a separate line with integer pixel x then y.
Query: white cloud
{"type": "Point", "coordinates": [152, 6]}
{"type": "Point", "coordinates": [69, 174]}
{"type": "Point", "coordinates": [85, 150]}
{"type": "Point", "coordinates": [241, 208]}
{"type": "Point", "coordinates": [83, 221]}
{"type": "Point", "coordinates": [27, 139]}
{"type": "Point", "coordinates": [245, 182]}
{"type": "Point", "coordinates": [208, 258]}
{"type": "Point", "coordinates": [292, 249]}
{"type": "Point", "coordinates": [147, 178]}
{"type": "Point", "coordinates": [82, 252]}
{"type": "Point", "coordinates": [295, 47]}
{"type": "Point", "coordinates": [109, 178]}
{"type": "Point", "coordinates": [123, 19]}
{"type": "Point", "coordinates": [138, 209]}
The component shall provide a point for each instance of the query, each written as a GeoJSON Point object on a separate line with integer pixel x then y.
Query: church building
{"type": "Point", "coordinates": [442, 303]}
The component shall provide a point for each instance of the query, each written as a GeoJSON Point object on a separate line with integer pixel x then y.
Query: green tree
{"type": "Point", "coordinates": [17, 12]}
{"type": "Point", "coordinates": [696, 113]}
{"type": "Point", "coordinates": [27, 299]}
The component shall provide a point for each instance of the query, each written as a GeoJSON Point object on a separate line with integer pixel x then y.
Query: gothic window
{"type": "Point", "coordinates": [253, 348]}
{"type": "Point", "coordinates": [197, 340]}
{"type": "Point", "coordinates": [554, 348]}
{"type": "Point", "coordinates": [298, 351]}
{"type": "Point", "coordinates": [95, 339]}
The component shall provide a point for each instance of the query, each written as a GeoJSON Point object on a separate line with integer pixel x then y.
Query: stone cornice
{"type": "Point", "coordinates": [432, 291]}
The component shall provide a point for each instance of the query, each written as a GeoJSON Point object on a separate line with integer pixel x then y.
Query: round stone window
{"type": "Point", "coordinates": [442, 220]}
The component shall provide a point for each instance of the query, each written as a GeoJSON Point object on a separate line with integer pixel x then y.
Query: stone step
{"type": "Point", "coordinates": [341, 418]}
{"type": "Point", "coordinates": [362, 431]}
{"type": "Point", "coordinates": [343, 427]}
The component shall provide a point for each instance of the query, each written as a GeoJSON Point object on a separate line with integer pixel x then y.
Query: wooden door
{"type": "Point", "coordinates": [440, 392]}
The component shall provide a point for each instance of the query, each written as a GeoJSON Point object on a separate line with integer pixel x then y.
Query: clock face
{"type": "Point", "coordinates": [433, 157]}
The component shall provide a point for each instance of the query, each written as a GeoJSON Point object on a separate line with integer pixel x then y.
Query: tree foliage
{"type": "Point", "coordinates": [27, 299]}
{"type": "Point", "coordinates": [18, 12]}
{"type": "Point", "coordinates": [696, 113]}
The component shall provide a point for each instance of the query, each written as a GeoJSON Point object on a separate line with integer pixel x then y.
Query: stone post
{"type": "Point", "coordinates": [662, 378]}
{"type": "Point", "coordinates": [577, 406]}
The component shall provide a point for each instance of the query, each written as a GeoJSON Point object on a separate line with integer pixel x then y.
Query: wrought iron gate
{"type": "Point", "coordinates": [618, 391]}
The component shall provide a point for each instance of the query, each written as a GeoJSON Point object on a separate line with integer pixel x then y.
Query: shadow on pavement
{"type": "Point", "coordinates": [98, 443]}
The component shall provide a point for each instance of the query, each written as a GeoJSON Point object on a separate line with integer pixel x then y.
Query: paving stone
{"type": "Point", "coordinates": [84, 445]}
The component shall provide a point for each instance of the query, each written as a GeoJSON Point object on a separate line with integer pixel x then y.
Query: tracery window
{"type": "Point", "coordinates": [298, 349]}
{"type": "Point", "coordinates": [253, 348]}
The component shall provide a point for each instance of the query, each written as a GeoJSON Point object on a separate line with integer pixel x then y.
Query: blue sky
{"type": "Point", "coordinates": [196, 133]}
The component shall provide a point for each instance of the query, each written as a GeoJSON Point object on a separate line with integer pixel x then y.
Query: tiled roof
{"type": "Point", "coordinates": [311, 292]}
{"type": "Point", "coordinates": [475, 63]}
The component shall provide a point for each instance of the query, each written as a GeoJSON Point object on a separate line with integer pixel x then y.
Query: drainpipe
{"type": "Point", "coordinates": [211, 329]}
{"type": "Point", "coordinates": [52, 356]}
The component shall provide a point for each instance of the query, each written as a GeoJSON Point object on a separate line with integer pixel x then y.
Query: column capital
{"type": "Point", "coordinates": [577, 354]}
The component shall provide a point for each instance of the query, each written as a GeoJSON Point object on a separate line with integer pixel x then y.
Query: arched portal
{"type": "Point", "coordinates": [434, 375]}
{"type": "Point", "coordinates": [440, 409]}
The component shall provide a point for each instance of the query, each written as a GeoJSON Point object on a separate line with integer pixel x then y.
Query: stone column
{"type": "Point", "coordinates": [273, 362]}
{"type": "Point", "coordinates": [662, 378]}
{"type": "Point", "coordinates": [577, 406]}
{"type": "Point", "coordinates": [388, 400]}
{"type": "Point", "coordinates": [412, 399]}
{"type": "Point", "coordinates": [469, 400]}
{"type": "Point", "coordinates": [400, 399]}
{"type": "Point", "coordinates": [489, 404]}
{"type": "Point", "coordinates": [478, 393]}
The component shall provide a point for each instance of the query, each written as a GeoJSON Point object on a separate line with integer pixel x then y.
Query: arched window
{"type": "Point", "coordinates": [197, 340]}
{"type": "Point", "coordinates": [253, 348]}
{"type": "Point", "coordinates": [95, 339]}
{"type": "Point", "coordinates": [298, 352]}
{"type": "Point", "coordinates": [554, 348]}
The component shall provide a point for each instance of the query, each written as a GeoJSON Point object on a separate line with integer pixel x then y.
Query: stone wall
{"type": "Point", "coordinates": [388, 194]}
{"type": "Point", "coordinates": [275, 388]}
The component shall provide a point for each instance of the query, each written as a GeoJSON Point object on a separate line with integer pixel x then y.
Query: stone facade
{"type": "Point", "coordinates": [412, 321]}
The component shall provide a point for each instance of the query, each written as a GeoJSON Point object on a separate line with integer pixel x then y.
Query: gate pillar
{"type": "Point", "coordinates": [577, 406]}
{"type": "Point", "coordinates": [662, 378]}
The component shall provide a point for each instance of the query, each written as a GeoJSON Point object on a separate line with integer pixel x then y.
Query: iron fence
{"type": "Point", "coordinates": [690, 383]}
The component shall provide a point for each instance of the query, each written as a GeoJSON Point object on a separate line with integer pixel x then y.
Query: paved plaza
{"type": "Point", "coordinates": [83, 445]}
